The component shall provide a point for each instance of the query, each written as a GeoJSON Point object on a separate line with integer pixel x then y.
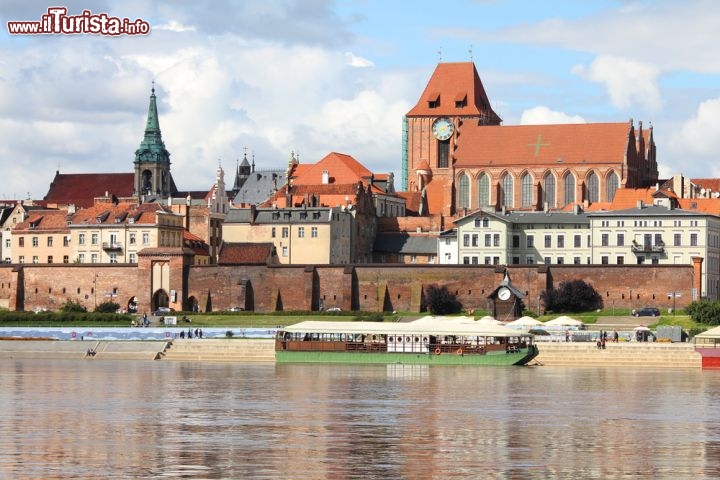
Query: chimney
{"type": "Point", "coordinates": [325, 177]}
{"type": "Point", "coordinates": [640, 205]}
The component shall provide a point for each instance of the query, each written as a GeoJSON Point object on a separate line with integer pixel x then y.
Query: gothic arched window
{"type": "Point", "coordinates": [506, 190]}
{"type": "Point", "coordinates": [549, 190]}
{"type": "Point", "coordinates": [463, 189]}
{"type": "Point", "coordinates": [526, 195]}
{"type": "Point", "coordinates": [483, 187]}
{"type": "Point", "coordinates": [593, 188]}
{"type": "Point", "coordinates": [569, 190]}
{"type": "Point", "coordinates": [611, 186]}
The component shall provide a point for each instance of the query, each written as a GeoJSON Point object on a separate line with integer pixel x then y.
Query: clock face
{"type": "Point", "coordinates": [443, 128]}
{"type": "Point", "coordinates": [503, 293]}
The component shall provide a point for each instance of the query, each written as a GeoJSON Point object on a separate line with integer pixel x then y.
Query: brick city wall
{"type": "Point", "coordinates": [360, 287]}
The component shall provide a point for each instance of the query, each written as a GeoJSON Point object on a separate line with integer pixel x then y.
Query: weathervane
{"type": "Point", "coordinates": [439, 52]}
{"type": "Point", "coordinates": [470, 52]}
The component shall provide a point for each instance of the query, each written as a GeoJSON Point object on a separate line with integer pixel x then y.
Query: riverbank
{"type": "Point", "coordinates": [580, 354]}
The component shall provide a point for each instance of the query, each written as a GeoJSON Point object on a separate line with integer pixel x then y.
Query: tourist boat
{"type": "Point", "coordinates": [427, 341]}
{"type": "Point", "coordinates": [707, 344]}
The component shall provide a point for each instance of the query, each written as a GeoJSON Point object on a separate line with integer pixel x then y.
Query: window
{"type": "Point", "coordinates": [132, 258]}
{"type": "Point", "coordinates": [35, 241]}
{"type": "Point", "coordinates": [549, 190]}
{"type": "Point", "coordinates": [272, 232]}
{"type": "Point", "coordinates": [113, 257]}
{"type": "Point", "coordinates": [620, 260]}
{"type": "Point", "coordinates": [560, 260]}
{"type": "Point", "coordinates": [49, 242]}
{"type": "Point", "coordinates": [313, 232]}
{"type": "Point", "coordinates": [659, 240]}
{"type": "Point", "coordinates": [463, 190]}
{"type": "Point", "coordinates": [466, 260]}
{"type": "Point", "coordinates": [488, 239]}
{"type": "Point", "coordinates": [569, 190]}
{"type": "Point", "coordinates": [526, 190]}
{"type": "Point", "coordinates": [478, 222]}
{"type": "Point", "coordinates": [413, 258]}
{"type": "Point", "coordinates": [655, 260]}
{"type": "Point", "coordinates": [506, 190]}
{"type": "Point", "coordinates": [146, 238]}
{"type": "Point", "coordinates": [21, 259]}
{"type": "Point", "coordinates": [483, 184]}
{"type": "Point", "coordinates": [466, 240]}
{"type": "Point", "coordinates": [285, 232]}
{"type": "Point", "coordinates": [516, 241]}
{"type": "Point", "coordinates": [561, 241]}
{"type": "Point", "coordinates": [593, 188]}
{"type": "Point", "coordinates": [496, 239]}
{"type": "Point", "coordinates": [516, 260]}
{"type": "Point", "coordinates": [548, 260]}
{"type": "Point", "coordinates": [285, 251]}
{"type": "Point", "coordinates": [131, 239]}
{"type": "Point", "coordinates": [50, 259]}
{"type": "Point", "coordinates": [496, 260]}
{"type": "Point", "coordinates": [475, 240]}
{"type": "Point", "coordinates": [611, 186]}
{"type": "Point", "coordinates": [8, 243]}
{"type": "Point", "coordinates": [94, 239]}
{"type": "Point", "coordinates": [693, 239]}
{"type": "Point", "coordinates": [431, 258]}
{"type": "Point", "coordinates": [21, 242]}
{"type": "Point", "coordinates": [66, 259]}
{"type": "Point", "coordinates": [530, 260]}
{"type": "Point", "coordinates": [677, 239]}
{"type": "Point", "coordinates": [605, 239]}
{"type": "Point", "coordinates": [604, 260]}
{"type": "Point", "coordinates": [443, 152]}
{"type": "Point", "coordinates": [81, 258]}
{"type": "Point", "coordinates": [66, 241]}
{"type": "Point", "coordinates": [94, 258]}
{"type": "Point", "coordinates": [548, 241]}
{"type": "Point", "coordinates": [620, 239]}
{"type": "Point", "coordinates": [448, 241]}
{"type": "Point", "coordinates": [530, 241]}
{"type": "Point", "coordinates": [576, 260]}
{"type": "Point", "coordinates": [301, 232]}
{"type": "Point", "coordinates": [35, 259]}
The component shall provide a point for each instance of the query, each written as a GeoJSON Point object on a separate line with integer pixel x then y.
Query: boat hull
{"type": "Point", "coordinates": [521, 357]}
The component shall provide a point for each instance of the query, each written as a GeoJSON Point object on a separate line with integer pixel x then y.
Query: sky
{"type": "Point", "coordinates": [265, 79]}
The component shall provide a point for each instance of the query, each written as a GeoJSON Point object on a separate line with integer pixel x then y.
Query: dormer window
{"type": "Point", "coordinates": [434, 100]}
{"type": "Point", "coordinates": [461, 100]}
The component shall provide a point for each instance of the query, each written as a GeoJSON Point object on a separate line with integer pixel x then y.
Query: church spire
{"type": "Point", "coordinates": [152, 160]}
{"type": "Point", "coordinates": [152, 141]}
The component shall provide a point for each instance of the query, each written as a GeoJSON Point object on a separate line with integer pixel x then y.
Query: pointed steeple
{"type": "Point", "coordinates": [152, 147]}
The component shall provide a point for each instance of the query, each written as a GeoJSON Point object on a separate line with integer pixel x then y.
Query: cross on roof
{"type": "Point", "coordinates": [538, 143]}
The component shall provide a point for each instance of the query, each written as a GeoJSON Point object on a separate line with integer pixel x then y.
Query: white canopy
{"type": "Point", "coordinates": [565, 321]}
{"type": "Point", "coordinates": [525, 322]}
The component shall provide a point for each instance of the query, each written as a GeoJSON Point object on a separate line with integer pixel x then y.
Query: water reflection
{"type": "Point", "coordinates": [114, 419]}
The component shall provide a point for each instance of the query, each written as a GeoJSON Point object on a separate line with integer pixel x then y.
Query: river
{"type": "Point", "coordinates": [138, 419]}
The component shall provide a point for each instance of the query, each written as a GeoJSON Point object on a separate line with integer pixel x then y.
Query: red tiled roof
{"type": "Point", "coordinates": [455, 81]}
{"type": "Point", "coordinates": [707, 183]}
{"type": "Point", "coordinates": [412, 201]}
{"type": "Point", "coordinates": [44, 220]}
{"type": "Point", "coordinates": [81, 188]}
{"type": "Point", "coordinates": [245, 253]}
{"type": "Point", "coordinates": [144, 213]}
{"type": "Point", "coordinates": [533, 145]}
{"type": "Point", "coordinates": [341, 169]}
{"type": "Point", "coordinates": [705, 205]}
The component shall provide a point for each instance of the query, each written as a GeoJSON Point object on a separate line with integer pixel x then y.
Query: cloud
{"type": "Point", "coordinates": [355, 61]}
{"type": "Point", "coordinates": [542, 115]}
{"type": "Point", "coordinates": [629, 83]}
{"type": "Point", "coordinates": [174, 26]}
{"type": "Point", "coordinates": [700, 135]}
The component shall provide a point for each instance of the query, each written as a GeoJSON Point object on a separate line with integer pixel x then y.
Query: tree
{"type": "Point", "coordinates": [572, 296]}
{"type": "Point", "coordinates": [108, 307]}
{"type": "Point", "coordinates": [73, 306]}
{"type": "Point", "coordinates": [704, 312]}
{"type": "Point", "coordinates": [438, 301]}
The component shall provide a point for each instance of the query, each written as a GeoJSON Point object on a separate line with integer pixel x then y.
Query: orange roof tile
{"type": "Point", "coordinates": [533, 145]}
{"type": "Point", "coordinates": [707, 183]}
{"type": "Point", "coordinates": [340, 167]}
{"type": "Point", "coordinates": [705, 205]}
{"type": "Point", "coordinates": [245, 253]}
{"type": "Point", "coordinates": [456, 81]}
{"type": "Point", "coordinates": [44, 220]}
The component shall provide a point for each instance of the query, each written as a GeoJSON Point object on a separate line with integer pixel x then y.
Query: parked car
{"type": "Point", "coordinates": [235, 309]}
{"type": "Point", "coordinates": [647, 312]}
{"type": "Point", "coordinates": [163, 311]}
{"type": "Point", "coordinates": [334, 309]}
{"type": "Point", "coordinates": [538, 331]}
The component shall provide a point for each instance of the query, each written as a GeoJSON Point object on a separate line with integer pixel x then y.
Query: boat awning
{"type": "Point", "coordinates": [423, 326]}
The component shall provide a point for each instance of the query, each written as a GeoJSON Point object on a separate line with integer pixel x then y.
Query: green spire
{"type": "Point", "coordinates": [152, 148]}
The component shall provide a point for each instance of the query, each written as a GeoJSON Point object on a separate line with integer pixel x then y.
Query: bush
{"type": "Point", "coordinates": [107, 307]}
{"type": "Point", "coordinates": [707, 313]}
{"type": "Point", "coordinates": [572, 296]}
{"type": "Point", "coordinates": [439, 301]}
{"type": "Point", "coordinates": [72, 306]}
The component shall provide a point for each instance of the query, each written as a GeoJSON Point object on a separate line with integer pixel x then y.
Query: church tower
{"type": "Point", "coordinates": [152, 160]}
{"type": "Point", "coordinates": [454, 96]}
